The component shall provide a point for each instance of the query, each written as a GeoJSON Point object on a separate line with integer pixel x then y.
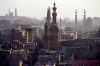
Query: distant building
{"type": "Point", "coordinates": [18, 35]}
{"type": "Point", "coordinates": [6, 24]}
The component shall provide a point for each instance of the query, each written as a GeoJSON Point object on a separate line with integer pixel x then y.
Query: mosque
{"type": "Point", "coordinates": [51, 31]}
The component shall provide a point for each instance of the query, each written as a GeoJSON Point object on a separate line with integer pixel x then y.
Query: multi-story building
{"type": "Point", "coordinates": [5, 24]}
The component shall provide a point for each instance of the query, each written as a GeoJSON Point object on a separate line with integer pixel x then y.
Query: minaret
{"type": "Point", "coordinates": [9, 11]}
{"type": "Point", "coordinates": [45, 37]}
{"type": "Point", "coordinates": [15, 12]}
{"type": "Point", "coordinates": [84, 19]}
{"type": "Point", "coordinates": [46, 27]}
{"type": "Point", "coordinates": [54, 14]}
{"type": "Point", "coordinates": [46, 30]}
{"type": "Point", "coordinates": [60, 24]}
{"type": "Point", "coordinates": [48, 18]}
{"type": "Point", "coordinates": [76, 20]}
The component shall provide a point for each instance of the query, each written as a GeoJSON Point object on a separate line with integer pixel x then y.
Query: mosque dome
{"type": "Point", "coordinates": [89, 19]}
{"type": "Point", "coordinates": [39, 41]}
{"type": "Point", "coordinates": [53, 28]}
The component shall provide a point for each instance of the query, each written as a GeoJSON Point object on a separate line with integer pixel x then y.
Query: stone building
{"type": "Point", "coordinates": [51, 31]}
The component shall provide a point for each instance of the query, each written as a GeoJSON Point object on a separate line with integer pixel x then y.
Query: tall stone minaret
{"type": "Point", "coordinates": [76, 20]}
{"type": "Point", "coordinates": [84, 21]}
{"type": "Point", "coordinates": [45, 37]}
{"type": "Point", "coordinates": [48, 18]}
{"type": "Point", "coordinates": [46, 27]}
{"type": "Point", "coordinates": [54, 14]}
{"type": "Point", "coordinates": [15, 12]}
{"type": "Point", "coordinates": [46, 30]}
{"type": "Point", "coordinates": [60, 24]}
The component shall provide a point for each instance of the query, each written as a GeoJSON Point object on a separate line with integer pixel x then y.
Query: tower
{"type": "Point", "coordinates": [84, 19]}
{"type": "Point", "coordinates": [54, 14]}
{"type": "Point", "coordinates": [60, 27]}
{"type": "Point", "coordinates": [9, 11]}
{"type": "Point", "coordinates": [60, 24]}
{"type": "Point", "coordinates": [76, 20]}
{"type": "Point", "coordinates": [15, 12]}
{"type": "Point", "coordinates": [53, 32]}
{"type": "Point", "coordinates": [46, 30]}
{"type": "Point", "coordinates": [48, 18]}
{"type": "Point", "coordinates": [46, 27]}
{"type": "Point", "coordinates": [46, 38]}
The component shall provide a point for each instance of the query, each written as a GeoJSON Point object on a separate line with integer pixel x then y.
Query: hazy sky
{"type": "Point", "coordinates": [38, 8]}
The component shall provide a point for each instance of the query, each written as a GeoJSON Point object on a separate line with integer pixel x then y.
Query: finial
{"type": "Point", "coordinates": [49, 8]}
{"type": "Point", "coordinates": [76, 11]}
{"type": "Point", "coordinates": [54, 1]}
{"type": "Point", "coordinates": [54, 4]}
{"type": "Point", "coordinates": [84, 11]}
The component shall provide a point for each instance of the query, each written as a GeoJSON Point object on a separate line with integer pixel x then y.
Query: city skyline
{"type": "Point", "coordinates": [65, 8]}
{"type": "Point", "coordinates": [30, 37]}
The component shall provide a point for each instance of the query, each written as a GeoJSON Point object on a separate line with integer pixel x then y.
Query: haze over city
{"type": "Point", "coordinates": [49, 33]}
{"type": "Point", "coordinates": [65, 8]}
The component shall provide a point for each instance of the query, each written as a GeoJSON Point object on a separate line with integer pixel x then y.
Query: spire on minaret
{"type": "Point", "coordinates": [15, 12]}
{"type": "Point", "coordinates": [48, 18]}
{"type": "Point", "coordinates": [76, 12]}
{"type": "Point", "coordinates": [84, 19]}
{"type": "Point", "coordinates": [54, 14]}
{"type": "Point", "coordinates": [84, 12]}
{"type": "Point", "coordinates": [48, 13]}
{"type": "Point", "coordinates": [54, 4]}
